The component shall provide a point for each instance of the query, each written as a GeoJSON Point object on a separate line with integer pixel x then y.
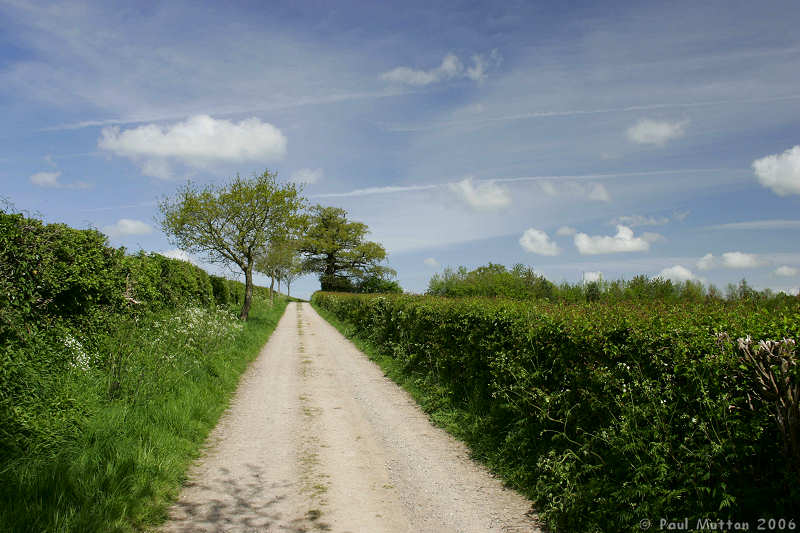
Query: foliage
{"type": "Point", "coordinates": [523, 283]}
{"type": "Point", "coordinates": [604, 413]}
{"type": "Point", "coordinates": [123, 417]}
{"type": "Point", "coordinates": [232, 223]}
{"type": "Point", "coordinates": [334, 248]}
{"type": "Point", "coordinates": [113, 368]}
{"type": "Point", "coordinates": [280, 261]}
{"type": "Point", "coordinates": [378, 284]}
{"type": "Point", "coordinates": [494, 280]}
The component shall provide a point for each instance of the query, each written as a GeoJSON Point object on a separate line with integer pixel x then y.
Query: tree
{"type": "Point", "coordinates": [334, 247]}
{"type": "Point", "coordinates": [231, 223]}
{"type": "Point", "coordinates": [279, 260]}
{"type": "Point", "coordinates": [291, 271]}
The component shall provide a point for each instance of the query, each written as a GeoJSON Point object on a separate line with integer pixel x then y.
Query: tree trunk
{"type": "Point", "coordinates": [248, 292]}
{"type": "Point", "coordinates": [271, 292]}
{"type": "Point", "coordinates": [288, 289]}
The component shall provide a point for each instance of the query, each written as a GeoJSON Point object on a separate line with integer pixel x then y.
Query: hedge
{"type": "Point", "coordinates": [56, 281]}
{"type": "Point", "coordinates": [603, 414]}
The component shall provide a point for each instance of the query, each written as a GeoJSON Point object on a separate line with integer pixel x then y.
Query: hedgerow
{"type": "Point", "coordinates": [112, 369]}
{"type": "Point", "coordinates": [606, 414]}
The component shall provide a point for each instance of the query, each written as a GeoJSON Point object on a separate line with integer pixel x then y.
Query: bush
{"type": "Point", "coordinates": [604, 414]}
{"type": "Point", "coordinates": [112, 369]}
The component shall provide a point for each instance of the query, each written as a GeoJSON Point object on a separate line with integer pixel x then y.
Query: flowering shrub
{"type": "Point", "coordinates": [605, 414]}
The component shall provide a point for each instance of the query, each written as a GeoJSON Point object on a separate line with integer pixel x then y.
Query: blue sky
{"type": "Point", "coordinates": [582, 139]}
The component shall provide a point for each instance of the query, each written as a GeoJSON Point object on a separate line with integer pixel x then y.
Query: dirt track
{"type": "Point", "coordinates": [317, 439]}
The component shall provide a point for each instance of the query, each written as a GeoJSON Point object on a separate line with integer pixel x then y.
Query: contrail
{"type": "Point", "coordinates": [392, 189]}
{"type": "Point", "coordinates": [578, 112]}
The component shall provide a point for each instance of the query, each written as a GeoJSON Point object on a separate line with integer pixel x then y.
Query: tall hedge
{"type": "Point", "coordinates": [605, 415]}
{"type": "Point", "coordinates": [57, 281]}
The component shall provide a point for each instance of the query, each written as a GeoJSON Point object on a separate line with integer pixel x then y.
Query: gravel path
{"type": "Point", "coordinates": [317, 439]}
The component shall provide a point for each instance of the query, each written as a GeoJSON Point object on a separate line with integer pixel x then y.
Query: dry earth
{"type": "Point", "coordinates": [317, 439]}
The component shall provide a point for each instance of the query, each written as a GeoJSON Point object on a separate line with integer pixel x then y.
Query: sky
{"type": "Point", "coordinates": [584, 139]}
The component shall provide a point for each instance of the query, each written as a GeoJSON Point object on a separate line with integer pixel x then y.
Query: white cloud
{"type": "Point", "coordinates": [450, 68]}
{"type": "Point", "coordinates": [431, 262]}
{"type": "Point", "coordinates": [706, 262]}
{"type": "Point", "coordinates": [786, 270]}
{"type": "Point", "coordinates": [741, 260]}
{"type": "Point", "coordinates": [548, 188]}
{"type": "Point", "coordinates": [677, 273]}
{"type": "Point", "coordinates": [197, 142]}
{"type": "Point", "coordinates": [780, 172]}
{"type": "Point", "coordinates": [759, 225]}
{"type": "Point", "coordinates": [640, 220]}
{"type": "Point", "coordinates": [46, 179]}
{"type": "Point", "coordinates": [51, 180]}
{"type": "Point", "coordinates": [389, 189]}
{"type": "Point", "coordinates": [656, 132]}
{"type": "Point", "coordinates": [307, 175]}
{"type": "Point", "coordinates": [590, 277]}
{"type": "Point", "coordinates": [652, 237]}
{"type": "Point", "coordinates": [593, 191]}
{"type": "Point", "coordinates": [538, 242]}
{"type": "Point", "coordinates": [127, 226]}
{"type": "Point", "coordinates": [680, 216]}
{"type": "Point", "coordinates": [485, 197]}
{"type": "Point", "coordinates": [177, 253]}
{"type": "Point", "coordinates": [566, 231]}
{"type": "Point", "coordinates": [623, 241]}
{"type": "Point", "coordinates": [599, 193]}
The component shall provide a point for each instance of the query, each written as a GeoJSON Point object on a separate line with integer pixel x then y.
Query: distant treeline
{"type": "Point", "coordinates": [523, 283]}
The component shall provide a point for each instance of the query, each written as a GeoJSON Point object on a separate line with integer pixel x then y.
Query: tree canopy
{"type": "Point", "coordinates": [336, 249]}
{"type": "Point", "coordinates": [234, 222]}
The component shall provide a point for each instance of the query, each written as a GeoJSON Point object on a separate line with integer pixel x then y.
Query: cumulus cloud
{"type": "Point", "coordinates": [51, 180]}
{"type": "Point", "coordinates": [127, 226]}
{"type": "Point", "coordinates": [538, 242]}
{"type": "Point", "coordinates": [198, 142]}
{"type": "Point", "coordinates": [450, 68]}
{"type": "Point", "coordinates": [780, 172]}
{"type": "Point", "coordinates": [487, 196]}
{"type": "Point", "coordinates": [591, 277]}
{"type": "Point", "coordinates": [706, 262]}
{"type": "Point", "coordinates": [787, 271]}
{"type": "Point", "coordinates": [656, 132]}
{"type": "Point", "coordinates": [566, 231]}
{"type": "Point", "coordinates": [431, 262]}
{"type": "Point", "coordinates": [307, 175]}
{"type": "Point", "coordinates": [177, 253]}
{"type": "Point", "coordinates": [741, 260]}
{"type": "Point", "coordinates": [623, 241]}
{"type": "Point", "coordinates": [677, 273]}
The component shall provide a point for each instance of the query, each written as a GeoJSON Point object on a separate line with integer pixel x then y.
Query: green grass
{"type": "Point", "coordinates": [158, 386]}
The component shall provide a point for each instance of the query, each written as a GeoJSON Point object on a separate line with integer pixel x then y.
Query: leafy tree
{"type": "Point", "coordinates": [291, 271]}
{"type": "Point", "coordinates": [279, 260]}
{"type": "Point", "coordinates": [334, 247]}
{"type": "Point", "coordinates": [378, 284]}
{"type": "Point", "coordinates": [231, 223]}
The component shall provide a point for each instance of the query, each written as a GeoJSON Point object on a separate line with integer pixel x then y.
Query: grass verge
{"type": "Point", "coordinates": [147, 408]}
